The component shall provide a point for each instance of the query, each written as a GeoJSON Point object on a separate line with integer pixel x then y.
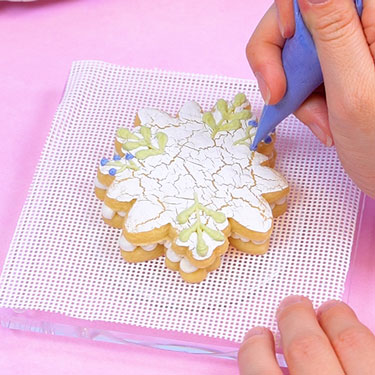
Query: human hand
{"type": "Point", "coordinates": [332, 341]}
{"type": "Point", "coordinates": [343, 111]}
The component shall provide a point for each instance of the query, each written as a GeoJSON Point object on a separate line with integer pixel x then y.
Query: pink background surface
{"type": "Point", "coordinates": [39, 41]}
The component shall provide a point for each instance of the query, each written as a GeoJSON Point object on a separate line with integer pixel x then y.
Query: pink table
{"type": "Point", "coordinates": [39, 41]}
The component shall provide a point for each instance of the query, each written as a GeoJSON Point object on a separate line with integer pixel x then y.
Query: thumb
{"type": "Point", "coordinates": [342, 48]}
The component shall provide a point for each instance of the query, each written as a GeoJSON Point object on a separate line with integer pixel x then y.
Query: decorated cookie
{"type": "Point", "coordinates": [188, 186]}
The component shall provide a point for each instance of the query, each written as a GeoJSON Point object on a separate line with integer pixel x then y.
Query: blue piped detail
{"type": "Point", "coordinates": [103, 162]}
{"type": "Point", "coordinates": [268, 140]}
{"type": "Point", "coordinates": [112, 171]}
{"type": "Point", "coordinates": [117, 157]}
{"type": "Point", "coordinates": [253, 123]}
{"type": "Point", "coordinates": [129, 156]}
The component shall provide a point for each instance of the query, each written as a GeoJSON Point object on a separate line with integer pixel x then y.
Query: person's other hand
{"type": "Point", "coordinates": [343, 111]}
{"type": "Point", "coordinates": [330, 342]}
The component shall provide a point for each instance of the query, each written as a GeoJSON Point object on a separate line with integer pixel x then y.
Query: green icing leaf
{"type": "Point", "coordinates": [214, 234]}
{"type": "Point", "coordinates": [186, 233]}
{"type": "Point", "coordinates": [243, 115]}
{"type": "Point", "coordinates": [239, 99]}
{"type": "Point", "coordinates": [162, 140]}
{"type": "Point", "coordinates": [202, 247]}
{"type": "Point", "coordinates": [126, 134]}
{"type": "Point", "coordinates": [122, 166]}
{"type": "Point", "coordinates": [222, 106]}
{"type": "Point", "coordinates": [183, 217]}
{"type": "Point", "coordinates": [129, 146]}
{"type": "Point", "coordinates": [144, 154]}
{"type": "Point", "coordinates": [146, 133]}
{"type": "Point", "coordinates": [208, 119]}
{"type": "Point", "coordinates": [232, 125]}
{"type": "Point", "coordinates": [219, 217]}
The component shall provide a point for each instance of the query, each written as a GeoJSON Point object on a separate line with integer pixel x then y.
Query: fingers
{"type": "Point", "coordinates": [352, 341]}
{"type": "Point", "coordinates": [314, 113]}
{"type": "Point", "coordinates": [286, 17]}
{"type": "Point", "coordinates": [368, 23]}
{"type": "Point", "coordinates": [257, 354]}
{"type": "Point", "coordinates": [264, 54]}
{"type": "Point", "coordinates": [306, 348]}
{"type": "Point", "coordinates": [342, 48]}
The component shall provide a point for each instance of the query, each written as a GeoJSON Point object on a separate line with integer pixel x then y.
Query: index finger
{"type": "Point", "coordinates": [264, 55]}
{"type": "Point", "coordinates": [306, 348]}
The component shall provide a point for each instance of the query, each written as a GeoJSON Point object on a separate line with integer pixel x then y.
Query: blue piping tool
{"type": "Point", "coordinates": [303, 76]}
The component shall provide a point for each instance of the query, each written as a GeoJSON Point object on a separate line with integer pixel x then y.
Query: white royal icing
{"type": "Point", "coordinates": [121, 213]}
{"type": "Point", "coordinates": [107, 212]}
{"type": "Point", "coordinates": [125, 244]}
{"type": "Point", "coordinates": [172, 256]}
{"type": "Point", "coordinates": [224, 176]}
{"type": "Point", "coordinates": [186, 266]}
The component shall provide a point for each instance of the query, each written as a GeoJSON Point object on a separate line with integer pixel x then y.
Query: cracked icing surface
{"type": "Point", "coordinates": [226, 177]}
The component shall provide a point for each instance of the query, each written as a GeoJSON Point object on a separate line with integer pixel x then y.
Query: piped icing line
{"type": "Point", "coordinates": [228, 116]}
{"type": "Point", "coordinates": [118, 165]}
{"type": "Point", "coordinates": [142, 142]}
{"type": "Point", "coordinates": [226, 179]}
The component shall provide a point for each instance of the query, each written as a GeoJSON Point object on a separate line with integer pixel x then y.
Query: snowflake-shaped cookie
{"type": "Point", "coordinates": [185, 186]}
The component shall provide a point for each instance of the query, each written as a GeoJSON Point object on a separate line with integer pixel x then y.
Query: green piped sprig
{"type": "Point", "coordinates": [133, 142]}
{"type": "Point", "coordinates": [230, 120]}
{"type": "Point", "coordinates": [198, 227]}
{"type": "Point", "coordinates": [244, 140]}
{"type": "Point", "coordinates": [119, 164]}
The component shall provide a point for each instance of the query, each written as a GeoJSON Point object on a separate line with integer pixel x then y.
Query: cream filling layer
{"type": "Point", "coordinates": [172, 256]}
{"type": "Point", "coordinates": [99, 185]}
{"type": "Point", "coordinates": [186, 266]}
{"type": "Point", "coordinates": [107, 212]}
{"type": "Point", "coordinates": [125, 245]}
{"type": "Point", "coordinates": [244, 239]}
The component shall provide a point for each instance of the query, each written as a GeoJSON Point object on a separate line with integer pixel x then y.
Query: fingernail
{"type": "Point", "coordinates": [281, 27]}
{"type": "Point", "coordinates": [327, 305]}
{"type": "Point", "coordinates": [321, 135]}
{"type": "Point", "coordinates": [288, 301]}
{"type": "Point", "coordinates": [329, 141]}
{"type": "Point", "coordinates": [317, 1]}
{"type": "Point", "coordinates": [257, 331]}
{"type": "Point", "coordinates": [264, 90]}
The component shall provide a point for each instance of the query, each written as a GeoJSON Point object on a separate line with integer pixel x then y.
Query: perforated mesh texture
{"type": "Point", "coordinates": [64, 259]}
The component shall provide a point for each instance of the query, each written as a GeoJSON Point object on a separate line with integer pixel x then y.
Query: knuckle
{"type": "Point", "coordinates": [335, 25]}
{"type": "Point", "coordinates": [305, 348]}
{"type": "Point", "coordinates": [350, 339]}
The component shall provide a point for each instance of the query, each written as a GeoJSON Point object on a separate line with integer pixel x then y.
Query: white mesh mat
{"type": "Point", "coordinates": [64, 259]}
